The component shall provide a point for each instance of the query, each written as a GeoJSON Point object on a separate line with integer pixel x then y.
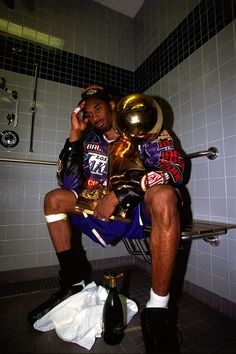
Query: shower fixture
{"type": "Point", "coordinates": [4, 88]}
{"type": "Point", "coordinates": [11, 97]}
{"type": "Point", "coordinates": [11, 117]}
{"type": "Point", "coordinates": [9, 139]}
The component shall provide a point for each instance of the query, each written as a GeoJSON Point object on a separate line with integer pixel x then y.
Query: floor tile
{"type": "Point", "coordinates": [203, 330]}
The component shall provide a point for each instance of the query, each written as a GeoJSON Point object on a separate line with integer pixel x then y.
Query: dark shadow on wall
{"type": "Point", "coordinates": [168, 122]}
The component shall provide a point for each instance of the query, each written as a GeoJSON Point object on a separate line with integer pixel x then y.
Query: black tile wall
{"type": "Point", "coordinates": [60, 66]}
{"type": "Point", "coordinates": [208, 18]}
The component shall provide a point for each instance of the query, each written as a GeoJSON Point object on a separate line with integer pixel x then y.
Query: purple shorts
{"type": "Point", "coordinates": [107, 232]}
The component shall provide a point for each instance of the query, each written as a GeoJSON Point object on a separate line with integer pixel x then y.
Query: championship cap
{"type": "Point", "coordinates": [96, 91]}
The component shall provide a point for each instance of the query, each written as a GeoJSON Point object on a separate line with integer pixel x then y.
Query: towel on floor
{"type": "Point", "coordinates": [78, 319]}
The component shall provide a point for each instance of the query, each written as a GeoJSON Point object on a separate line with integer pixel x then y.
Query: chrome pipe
{"type": "Point", "coordinates": [211, 153]}
{"type": "Point", "coordinates": [33, 108]}
{"type": "Point", "coordinates": [34, 162]}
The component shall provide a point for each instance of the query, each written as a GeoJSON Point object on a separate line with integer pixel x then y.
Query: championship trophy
{"type": "Point", "coordinates": [137, 118]}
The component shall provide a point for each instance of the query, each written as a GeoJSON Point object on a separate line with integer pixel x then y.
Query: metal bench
{"type": "Point", "coordinates": [208, 231]}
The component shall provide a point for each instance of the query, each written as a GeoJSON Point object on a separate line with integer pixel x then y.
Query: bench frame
{"type": "Point", "coordinates": [197, 229]}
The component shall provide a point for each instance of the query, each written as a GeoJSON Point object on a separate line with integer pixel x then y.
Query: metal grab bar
{"type": "Point", "coordinates": [211, 153]}
{"type": "Point", "coordinates": [37, 162]}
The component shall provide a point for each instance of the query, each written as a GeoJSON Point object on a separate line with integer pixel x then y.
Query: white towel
{"type": "Point", "coordinates": [78, 319]}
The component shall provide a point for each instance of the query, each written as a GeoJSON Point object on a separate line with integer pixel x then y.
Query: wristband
{"type": "Point", "coordinates": [77, 109]}
{"type": "Point", "coordinates": [152, 178]}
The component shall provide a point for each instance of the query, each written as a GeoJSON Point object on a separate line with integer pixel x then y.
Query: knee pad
{"type": "Point", "coordinates": [55, 217]}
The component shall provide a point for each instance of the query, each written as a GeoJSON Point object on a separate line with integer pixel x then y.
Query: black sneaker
{"type": "Point", "coordinates": [53, 301]}
{"type": "Point", "coordinates": [159, 332]}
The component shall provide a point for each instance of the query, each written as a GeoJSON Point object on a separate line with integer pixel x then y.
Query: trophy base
{"type": "Point", "coordinates": [83, 209]}
{"type": "Point", "coordinates": [88, 199]}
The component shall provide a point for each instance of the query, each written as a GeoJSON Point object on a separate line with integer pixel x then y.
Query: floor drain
{"type": "Point", "coordinates": [28, 287]}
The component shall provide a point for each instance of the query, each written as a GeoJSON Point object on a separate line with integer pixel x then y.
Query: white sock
{"type": "Point", "coordinates": [157, 300]}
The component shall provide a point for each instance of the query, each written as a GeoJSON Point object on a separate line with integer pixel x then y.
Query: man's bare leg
{"type": "Point", "coordinates": [159, 332]}
{"type": "Point", "coordinates": [165, 235]}
{"type": "Point", "coordinates": [57, 204]}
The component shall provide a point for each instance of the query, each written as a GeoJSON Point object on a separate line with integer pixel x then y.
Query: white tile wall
{"type": "Point", "coordinates": [23, 186]}
{"type": "Point", "coordinates": [88, 29]}
{"type": "Point", "coordinates": [201, 93]}
{"type": "Point", "coordinates": [208, 119]}
{"type": "Point", "coordinates": [156, 20]}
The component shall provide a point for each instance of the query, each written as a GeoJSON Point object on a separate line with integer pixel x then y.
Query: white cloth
{"type": "Point", "coordinates": [78, 319]}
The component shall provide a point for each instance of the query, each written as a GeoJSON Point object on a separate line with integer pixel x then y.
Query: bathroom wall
{"type": "Point", "coordinates": [155, 21]}
{"type": "Point", "coordinates": [201, 94]}
{"type": "Point", "coordinates": [183, 53]}
{"type": "Point", "coordinates": [97, 47]}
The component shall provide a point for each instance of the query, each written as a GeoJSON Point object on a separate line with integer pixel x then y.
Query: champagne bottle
{"type": "Point", "coordinates": [113, 317]}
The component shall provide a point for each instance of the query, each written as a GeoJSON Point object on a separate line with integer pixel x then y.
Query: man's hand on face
{"type": "Point", "coordinates": [78, 124]}
{"type": "Point", "coordinates": [106, 207]}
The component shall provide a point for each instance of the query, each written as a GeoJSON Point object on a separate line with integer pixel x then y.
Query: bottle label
{"type": "Point", "coordinates": [118, 328]}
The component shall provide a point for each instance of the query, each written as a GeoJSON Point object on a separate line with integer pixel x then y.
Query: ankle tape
{"type": "Point", "coordinates": [55, 217]}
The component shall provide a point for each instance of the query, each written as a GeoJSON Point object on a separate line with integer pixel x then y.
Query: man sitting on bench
{"type": "Point", "coordinates": [83, 163]}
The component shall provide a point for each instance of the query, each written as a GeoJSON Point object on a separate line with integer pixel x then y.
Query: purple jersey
{"type": "Point", "coordinates": [95, 156]}
{"type": "Point", "coordinates": [84, 163]}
